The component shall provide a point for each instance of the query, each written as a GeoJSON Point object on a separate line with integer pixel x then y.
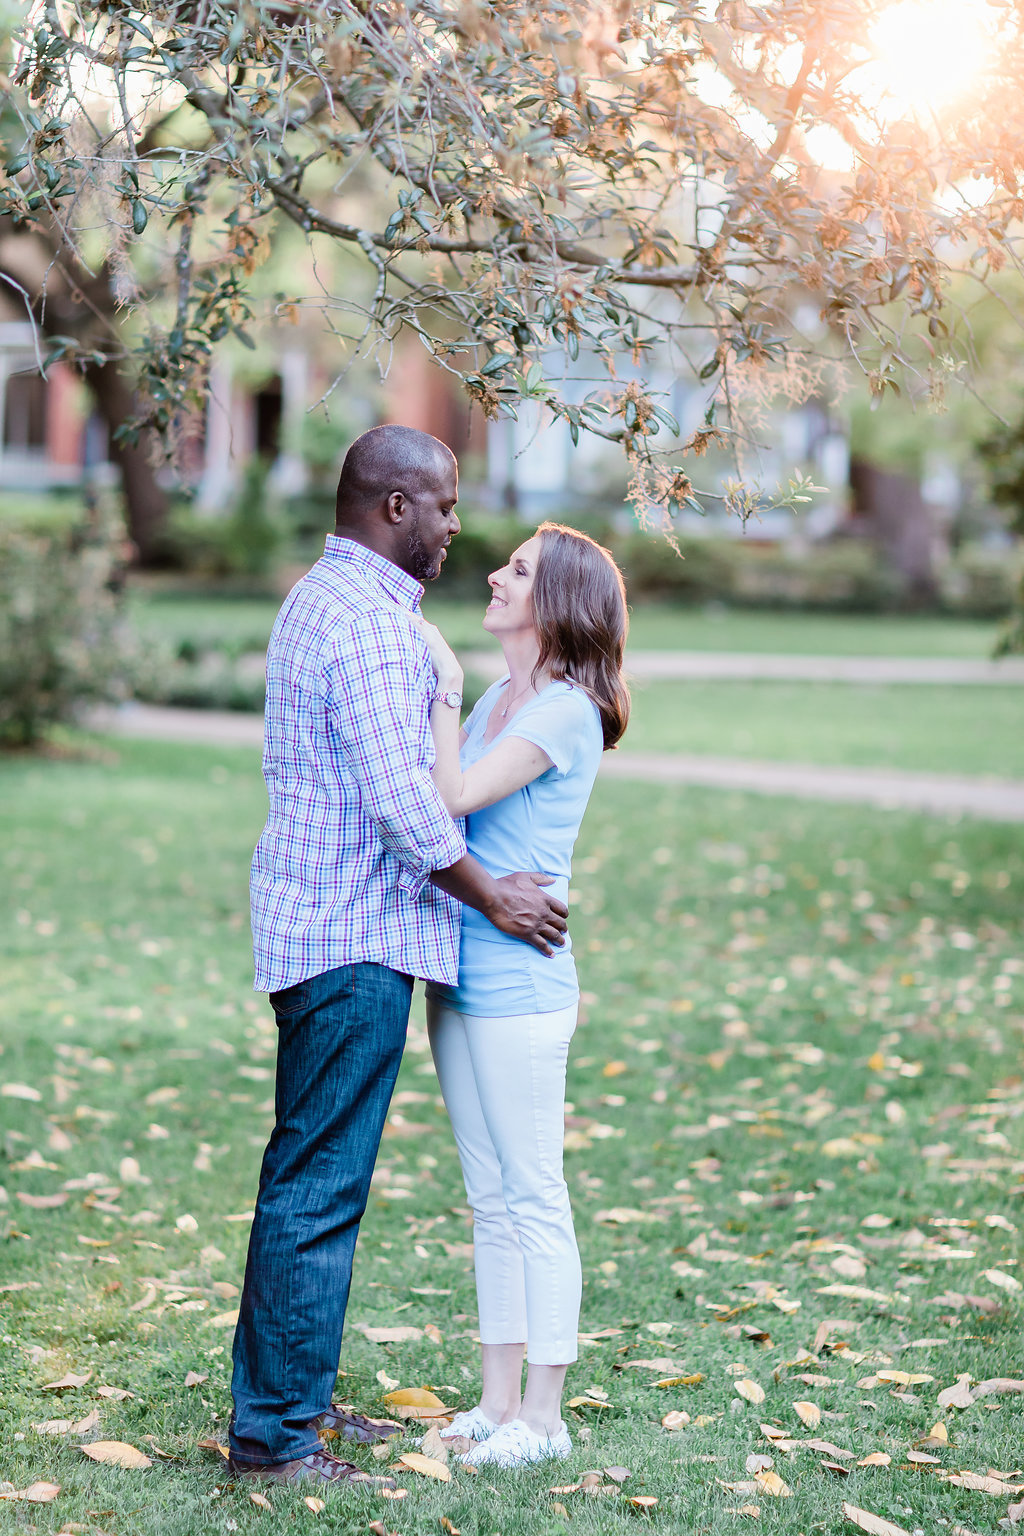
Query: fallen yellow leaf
{"type": "Point", "coordinates": [643, 1501]}
{"type": "Point", "coordinates": [223, 1320]}
{"type": "Point", "coordinates": [70, 1380]}
{"type": "Point", "coordinates": [316, 1505]}
{"type": "Point", "coordinates": [391, 1335]}
{"type": "Point", "coordinates": [115, 1453]}
{"type": "Point", "coordinates": [426, 1466]}
{"type": "Point", "coordinates": [772, 1483]}
{"type": "Point", "coordinates": [983, 1484]}
{"type": "Point", "coordinates": [35, 1493]}
{"type": "Point", "coordinates": [876, 1459]}
{"type": "Point", "coordinates": [260, 1500]}
{"type": "Point", "coordinates": [875, 1525]}
{"type": "Point", "coordinates": [958, 1395]}
{"type": "Point", "coordinates": [938, 1432]}
{"type": "Point", "coordinates": [808, 1413]}
{"type": "Point", "coordinates": [676, 1419]}
{"type": "Point", "coordinates": [416, 1403]}
{"type": "Point", "coordinates": [749, 1389]}
{"type": "Point", "coordinates": [614, 1069]}
{"type": "Point", "coordinates": [905, 1378]}
{"type": "Point", "coordinates": [68, 1426]}
{"type": "Point", "coordinates": [587, 1402]}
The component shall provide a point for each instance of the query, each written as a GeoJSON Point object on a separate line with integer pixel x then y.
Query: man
{"type": "Point", "coordinates": [356, 882]}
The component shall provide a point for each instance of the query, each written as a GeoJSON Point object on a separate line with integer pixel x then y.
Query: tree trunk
{"type": "Point", "coordinates": [146, 502]}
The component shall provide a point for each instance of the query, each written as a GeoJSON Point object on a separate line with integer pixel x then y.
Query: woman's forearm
{"type": "Point", "coordinates": [445, 727]}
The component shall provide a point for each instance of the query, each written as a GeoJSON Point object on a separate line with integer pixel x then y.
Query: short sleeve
{"type": "Point", "coordinates": [562, 724]}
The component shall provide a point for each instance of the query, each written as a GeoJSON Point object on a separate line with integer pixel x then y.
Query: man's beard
{"type": "Point", "coordinates": [421, 566]}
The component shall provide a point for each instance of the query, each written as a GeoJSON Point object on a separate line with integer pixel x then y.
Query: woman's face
{"type": "Point", "coordinates": [510, 610]}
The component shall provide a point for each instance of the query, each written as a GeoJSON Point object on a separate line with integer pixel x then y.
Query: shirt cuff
{"type": "Point", "coordinates": [442, 856]}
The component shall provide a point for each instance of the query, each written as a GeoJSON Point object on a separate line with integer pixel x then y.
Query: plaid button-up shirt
{"type": "Point", "coordinates": [356, 825]}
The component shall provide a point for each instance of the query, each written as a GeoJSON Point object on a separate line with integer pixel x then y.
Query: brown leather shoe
{"type": "Point", "coordinates": [341, 1421]}
{"type": "Point", "coordinates": [318, 1467]}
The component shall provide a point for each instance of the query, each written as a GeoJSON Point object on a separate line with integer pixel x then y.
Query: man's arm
{"type": "Point", "coordinates": [517, 904]}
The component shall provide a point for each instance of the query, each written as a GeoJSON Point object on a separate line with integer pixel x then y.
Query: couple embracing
{"type": "Point", "coordinates": [363, 881]}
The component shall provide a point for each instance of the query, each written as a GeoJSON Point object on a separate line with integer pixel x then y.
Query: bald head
{"type": "Point", "coordinates": [397, 494]}
{"type": "Point", "coordinates": [383, 460]}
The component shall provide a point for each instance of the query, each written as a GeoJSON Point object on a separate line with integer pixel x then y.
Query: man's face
{"type": "Point", "coordinates": [432, 523]}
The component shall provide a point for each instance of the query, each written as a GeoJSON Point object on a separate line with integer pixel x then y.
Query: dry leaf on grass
{"type": "Point", "coordinates": [215, 1446]}
{"type": "Point", "coordinates": [876, 1459]}
{"type": "Point", "coordinates": [808, 1413]}
{"type": "Point", "coordinates": [1015, 1513]}
{"type": "Point", "coordinates": [116, 1453]}
{"type": "Point", "coordinates": [260, 1500]}
{"type": "Point", "coordinates": [875, 1525]}
{"type": "Point", "coordinates": [223, 1320]}
{"type": "Point", "coordinates": [905, 1378]}
{"type": "Point", "coordinates": [979, 1483]}
{"type": "Point", "coordinates": [618, 1474]}
{"type": "Point", "coordinates": [1001, 1279]}
{"type": "Point", "coordinates": [68, 1426]}
{"type": "Point", "coordinates": [35, 1493]}
{"type": "Point", "coordinates": [675, 1419]}
{"type": "Point", "coordinates": [996, 1386]}
{"type": "Point", "coordinates": [116, 1394]}
{"type": "Point", "coordinates": [749, 1389]}
{"type": "Point", "coordinates": [771, 1482]}
{"type": "Point", "coordinates": [196, 1378]}
{"type": "Point", "coordinates": [587, 1402]}
{"type": "Point", "coordinates": [938, 1432]}
{"type": "Point", "coordinates": [751, 1511]}
{"type": "Point", "coordinates": [416, 1403]}
{"type": "Point", "coordinates": [643, 1501]}
{"type": "Point", "coordinates": [958, 1395]}
{"type": "Point", "coordinates": [390, 1335]}
{"type": "Point", "coordinates": [434, 1445]}
{"type": "Point", "coordinates": [922, 1459]}
{"type": "Point", "coordinates": [426, 1466]}
{"type": "Point", "coordinates": [68, 1381]}
{"type": "Point", "coordinates": [316, 1505]}
{"type": "Point", "coordinates": [42, 1202]}
{"type": "Point", "coordinates": [448, 1528]}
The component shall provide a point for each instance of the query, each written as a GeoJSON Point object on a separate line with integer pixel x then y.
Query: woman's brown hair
{"type": "Point", "coordinates": [579, 609]}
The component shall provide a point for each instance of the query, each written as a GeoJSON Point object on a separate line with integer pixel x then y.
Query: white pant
{"type": "Point", "coordinates": [503, 1081]}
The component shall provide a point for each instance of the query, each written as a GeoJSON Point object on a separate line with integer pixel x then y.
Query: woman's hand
{"type": "Point", "coordinates": [442, 657]}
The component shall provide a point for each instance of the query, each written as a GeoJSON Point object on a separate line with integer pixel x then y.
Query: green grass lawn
{"type": "Point", "coordinates": [795, 1157]}
{"type": "Point", "coordinates": [932, 728]}
{"type": "Point", "coordinates": [654, 626]}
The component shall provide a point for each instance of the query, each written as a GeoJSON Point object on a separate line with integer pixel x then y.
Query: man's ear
{"type": "Point", "coordinates": [396, 507]}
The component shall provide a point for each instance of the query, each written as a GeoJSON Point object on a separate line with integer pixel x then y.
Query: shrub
{"type": "Point", "coordinates": [63, 640]}
{"type": "Point", "coordinates": [243, 546]}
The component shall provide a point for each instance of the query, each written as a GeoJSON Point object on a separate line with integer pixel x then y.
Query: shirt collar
{"type": "Point", "coordinates": [399, 586]}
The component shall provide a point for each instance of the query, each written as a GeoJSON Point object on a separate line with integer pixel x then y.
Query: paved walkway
{"type": "Point", "coordinates": [937, 793]}
{"type": "Point", "coordinates": [739, 666]}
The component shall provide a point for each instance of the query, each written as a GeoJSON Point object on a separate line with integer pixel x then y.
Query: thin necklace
{"type": "Point", "coordinates": [508, 702]}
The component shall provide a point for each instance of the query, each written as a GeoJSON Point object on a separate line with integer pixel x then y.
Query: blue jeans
{"type": "Point", "coordinates": [341, 1037]}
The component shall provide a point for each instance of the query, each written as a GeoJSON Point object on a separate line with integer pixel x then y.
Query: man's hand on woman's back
{"type": "Point", "coordinates": [516, 904]}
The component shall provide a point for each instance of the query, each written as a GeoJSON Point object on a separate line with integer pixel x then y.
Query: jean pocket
{"type": "Point", "coordinates": [291, 1000]}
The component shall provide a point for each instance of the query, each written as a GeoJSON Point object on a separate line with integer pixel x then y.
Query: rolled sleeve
{"type": "Point", "coordinates": [376, 692]}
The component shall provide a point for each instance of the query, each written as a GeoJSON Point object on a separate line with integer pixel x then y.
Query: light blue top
{"type": "Point", "coordinates": [533, 829]}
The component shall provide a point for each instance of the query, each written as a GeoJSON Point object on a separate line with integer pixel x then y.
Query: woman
{"type": "Point", "coordinates": [521, 772]}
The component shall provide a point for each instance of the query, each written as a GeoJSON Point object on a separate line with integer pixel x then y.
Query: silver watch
{"type": "Point", "coordinates": [454, 699]}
